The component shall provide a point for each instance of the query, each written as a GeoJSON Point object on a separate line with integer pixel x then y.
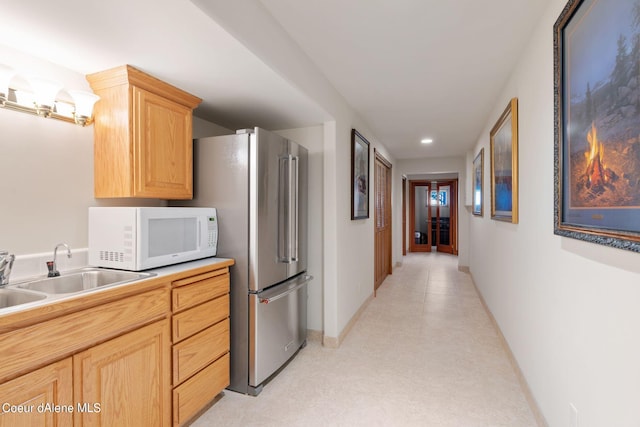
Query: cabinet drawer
{"type": "Point", "coordinates": [194, 394]}
{"type": "Point", "coordinates": [198, 292]}
{"type": "Point", "coordinates": [200, 317]}
{"type": "Point", "coordinates": [193, 354]}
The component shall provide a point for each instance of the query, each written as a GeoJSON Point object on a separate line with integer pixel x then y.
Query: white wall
{"type": "Point", "coordinates": [312, 138]}
{"type": "Point", "coordinates": [203, 128]}
{"type": "Point", "coordinates": [568, 308]}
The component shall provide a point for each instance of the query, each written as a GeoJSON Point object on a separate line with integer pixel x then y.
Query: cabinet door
{"type": "Point", "coordinates": [50, 386]}
{"type": "Point", "coordinates": [163, 149]}
{"type": "Point", "coordinates": [129, 377]}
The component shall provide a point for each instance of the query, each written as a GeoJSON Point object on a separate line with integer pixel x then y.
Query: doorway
{"type": "Point", "coordinates": [404, 216]}
{"type": "Point", "coordinates": [419, 217]}
{"type": "Point", "coordinates": [382, 212]}
{"type": "Point", "coordinates": [433, 215]}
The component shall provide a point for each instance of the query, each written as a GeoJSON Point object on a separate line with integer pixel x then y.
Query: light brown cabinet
{"type": "Point", "coordinates": [150, 354]}
{"type": "Point", "coordinates": [200, 341]}
{"type": "Point", "coordinates": [24, 398]}
{"type": "Point", "coordinates": [109, 364]}
{"type": "Point", "coordinates": [142, 136]}
{"type": "Point", "coordinates": [124, 381]}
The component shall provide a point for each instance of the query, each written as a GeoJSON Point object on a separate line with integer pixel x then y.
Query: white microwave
{"type": "Point", "coordinates": [139, 238]}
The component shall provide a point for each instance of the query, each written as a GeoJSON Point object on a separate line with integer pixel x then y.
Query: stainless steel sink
{"type": "Point", "coordinates": [82, 280]}
{"type": "Point", "coordinates": [12, 297]}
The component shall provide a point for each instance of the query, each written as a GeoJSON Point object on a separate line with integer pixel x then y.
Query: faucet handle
{"type": "Point", "coordinates": [6, 262]}
{"type": "Point", "coordinates": [52, 271]}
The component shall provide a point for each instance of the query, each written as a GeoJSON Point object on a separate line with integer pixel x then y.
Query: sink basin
{"type": "Point", "coordinates": [82, 280]}
{"type": "Point", "coordinates": [11, 297]}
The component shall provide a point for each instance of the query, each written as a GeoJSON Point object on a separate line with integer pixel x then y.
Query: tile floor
{"type": "Point", "coordinates": [423, 353]}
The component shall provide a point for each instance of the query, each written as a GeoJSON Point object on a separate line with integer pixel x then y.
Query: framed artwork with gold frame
{"type": "Point", "coordinates": [478, 182]}
{"type": "Point", "coordinates": [504, 165]}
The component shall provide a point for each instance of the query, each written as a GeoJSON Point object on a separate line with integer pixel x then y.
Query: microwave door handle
{"type": "Point", "coordinates": [199, 239]}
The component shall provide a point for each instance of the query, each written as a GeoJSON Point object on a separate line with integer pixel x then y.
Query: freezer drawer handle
{"type": "Point", "coordinates": [307, 279]}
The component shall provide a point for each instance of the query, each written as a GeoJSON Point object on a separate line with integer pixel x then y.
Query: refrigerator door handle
{"type": "Point", "coordinates": [288, 210]}
{"type": "Point", "coordinates": [284, 204]}
{"type": "Point", "coordinates": [305, 280]}
{"type": "Point", "coordinates": [294, 212]}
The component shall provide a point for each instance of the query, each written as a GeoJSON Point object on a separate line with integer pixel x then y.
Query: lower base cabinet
{"type": "Point", "coordinates": [32, 399]}
{"type": "Point", "coordinates": [125, 381]}
{"type": "Point", "coordinates": [151, 359]}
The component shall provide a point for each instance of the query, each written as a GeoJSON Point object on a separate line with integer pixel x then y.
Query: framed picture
{"type": "Point", "coordinates": [478, 180]}
{"type": "Point", "coordinates": [597, 122]}
{"type": "Point", "coordinates": [439, 198]}
{"type": "Point", "coordinates": [504, 165]}
{"type": "Point", "coordinates": [359, 176]}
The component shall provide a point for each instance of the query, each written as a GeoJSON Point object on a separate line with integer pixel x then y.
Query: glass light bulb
{"type": "Point", "coordinates": [84, 102]}
{"type": "Point", "coordinates": [45, 93]}
{"type": "Point", "coordinates": [6, 74]}
{"type": "Point", "coordinates": [84, 105]}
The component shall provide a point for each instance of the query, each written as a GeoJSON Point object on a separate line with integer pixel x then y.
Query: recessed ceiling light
{"type": "Point", "coordinates": [427, 141]}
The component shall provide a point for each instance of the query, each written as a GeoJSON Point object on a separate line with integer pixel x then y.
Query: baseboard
{"type": "Point", "coordinates": [535, 409]}
{"type": "Point", "coordinates": [313, 335]}
{"type": "Point", "coordinates": [334, 342]}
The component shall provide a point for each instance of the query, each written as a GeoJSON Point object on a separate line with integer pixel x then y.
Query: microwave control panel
{"type": "Point", "coordinates": [212, 226]}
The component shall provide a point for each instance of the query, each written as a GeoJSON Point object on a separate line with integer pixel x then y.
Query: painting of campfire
{"type": "Point", "coordinates": [597, 80]}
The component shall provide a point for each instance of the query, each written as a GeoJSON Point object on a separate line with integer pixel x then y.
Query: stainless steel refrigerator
{"type": "Point", "coordinates": [257, 181]}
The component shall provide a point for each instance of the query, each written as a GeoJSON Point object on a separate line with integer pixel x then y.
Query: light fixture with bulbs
{"type": "Point", "coordinates": [39, 96]}
{"type": "Point", "coordinates": [427, 141]}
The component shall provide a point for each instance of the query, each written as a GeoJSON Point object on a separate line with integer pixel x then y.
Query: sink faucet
{"type": "Point", "coordinates": [51, 265]}
{"type": "Point", "coordinates": [6, 262]}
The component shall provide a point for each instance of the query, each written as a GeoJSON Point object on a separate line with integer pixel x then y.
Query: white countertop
{"type": "Point", "coordinates": [157, 272]}
{"type": "Point", "coordinates": [189, 265]}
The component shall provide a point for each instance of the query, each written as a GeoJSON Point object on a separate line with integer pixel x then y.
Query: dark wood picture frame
{"type": "Point", "coordinates": [478, 183]}
{"type": "Point", "coordinates": [504, 165]}
{"type": "Point", "coordinates": [597, 123]}
{"type": "Point", "coordinates": [360, 160]}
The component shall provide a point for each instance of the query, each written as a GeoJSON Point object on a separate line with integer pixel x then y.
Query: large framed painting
{"type": "Point", "coordinates": [478, 180]}
{"type": "Point", "coordinates": [504, 165]}
{"type": "Point", "coordinates": [597, 122]}
{"type": "Point", "coordinates": [359, 176]}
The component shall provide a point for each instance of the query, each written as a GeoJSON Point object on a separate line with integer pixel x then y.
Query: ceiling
{"type": "Point", "coordinates": [411, 69]}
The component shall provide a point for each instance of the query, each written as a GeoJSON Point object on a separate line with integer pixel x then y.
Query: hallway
{"type": "Point", "coordinates": [423, 353]}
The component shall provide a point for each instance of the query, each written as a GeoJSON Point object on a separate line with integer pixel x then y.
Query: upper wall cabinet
{"type": "Point", "coordinates": [142, 136]}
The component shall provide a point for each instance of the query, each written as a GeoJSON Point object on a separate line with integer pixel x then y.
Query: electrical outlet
{"type": "Point", "coordinates": [573, 416]}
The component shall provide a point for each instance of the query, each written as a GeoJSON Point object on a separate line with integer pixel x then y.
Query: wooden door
{"type": "Point", "coordinates": [51, 385]}
{"type": "Point", "coordinates": [129, 377]}
{"type": "Point", "coordinates": [420, 236]}
{"type": "Point", "coordinates": [382, 244]}
{"type": "Point", "coordinates": [163, 150]}
{"type": "Point", "coordinates": [444, 208]}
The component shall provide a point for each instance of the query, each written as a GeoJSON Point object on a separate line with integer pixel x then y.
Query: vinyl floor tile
{"type": "Point", "coordinates": [423, 353]}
